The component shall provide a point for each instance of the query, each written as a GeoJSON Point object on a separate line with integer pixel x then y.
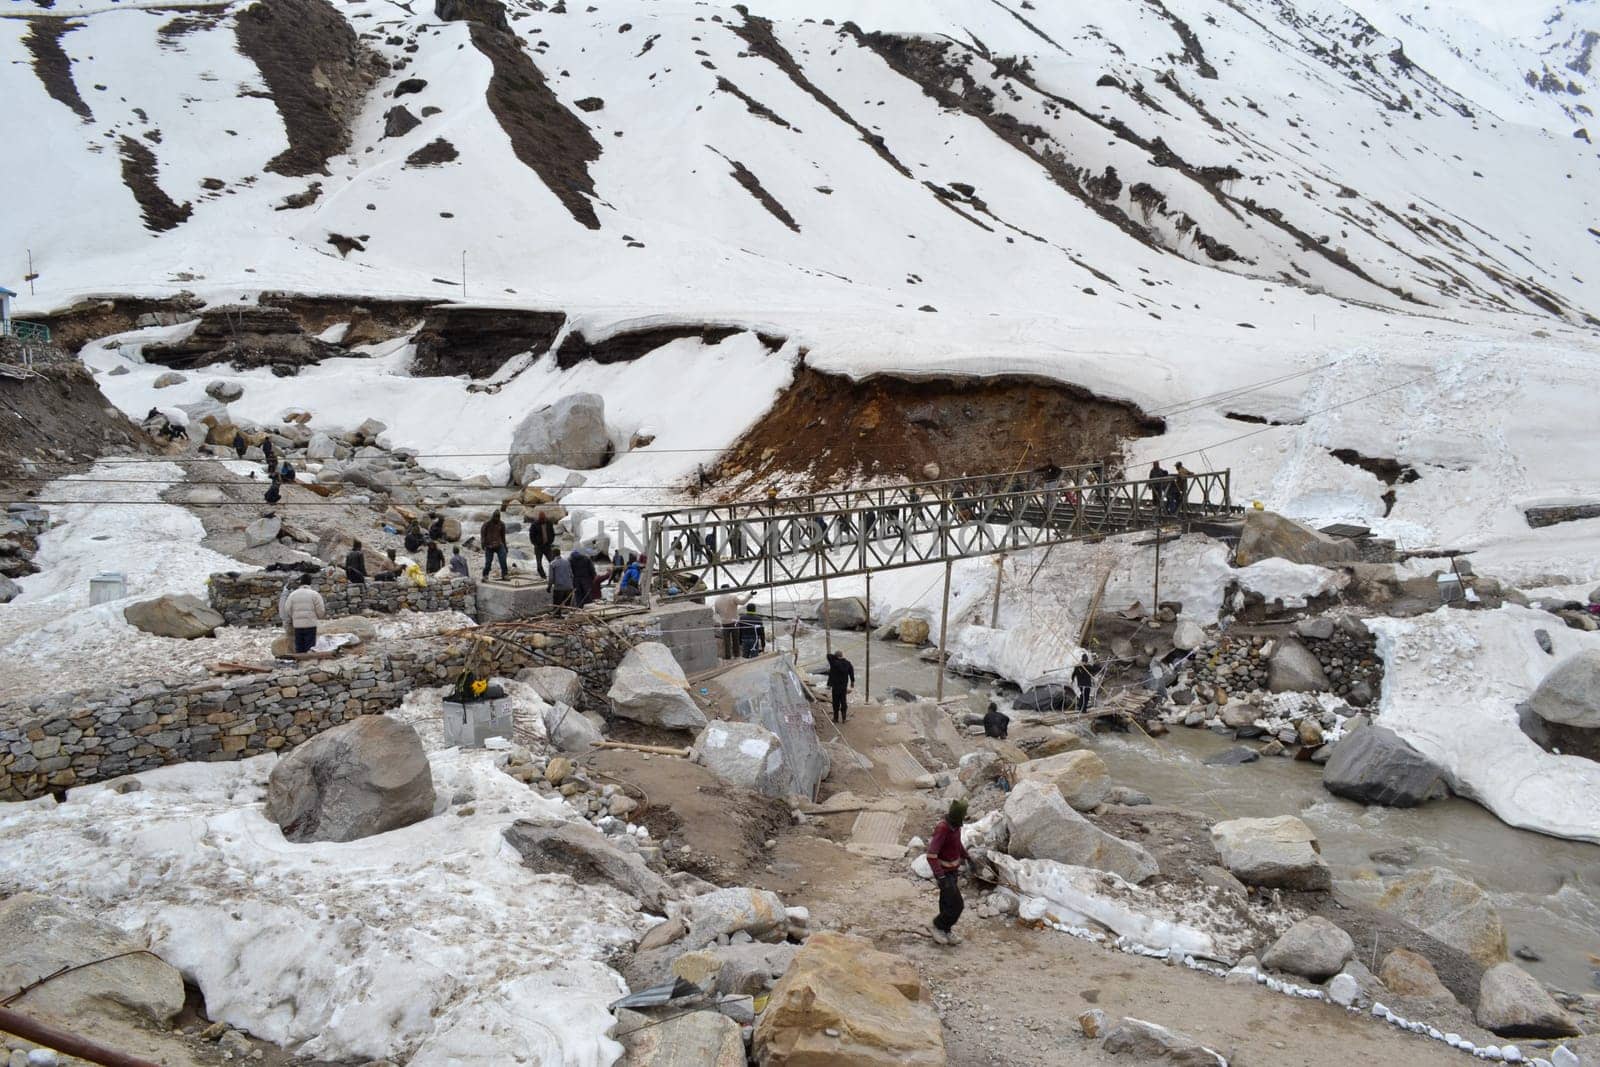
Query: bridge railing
{"type": "Point", "coordinates": [742, 547]}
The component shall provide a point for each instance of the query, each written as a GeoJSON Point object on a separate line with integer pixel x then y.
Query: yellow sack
{"type": "Point", "coordinates": [415, 576]}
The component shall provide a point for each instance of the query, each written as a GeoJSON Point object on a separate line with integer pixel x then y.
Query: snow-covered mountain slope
{"type": "Point", "coordinates": [1133, 157]}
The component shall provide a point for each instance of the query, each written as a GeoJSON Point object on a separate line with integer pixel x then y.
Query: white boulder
{"type": "Point", "coordinates": [1044, 826]}
{"type": "Point", "coordinates": [569, 433]}
{"type": "Point", "coordinates": [745, 754]}
{"type": "Point", "coordinates": [649, 687]}
{"type": "Point", "coordinates": [1278, 853]}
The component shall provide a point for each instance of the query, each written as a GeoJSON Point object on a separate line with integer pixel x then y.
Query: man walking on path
{"type": "Point", "coordinates": [542, 532]}
{"type": "Point", "coordinates": [946, 854]}
{"type": "Point", "coordinates": [493, 538]}
{"type": "Point", "coordinates": [1083, 679]}
{"type": "Point", "coordinates": [305, 608]}
{"type": "Point", "coordinates": [841, 679]}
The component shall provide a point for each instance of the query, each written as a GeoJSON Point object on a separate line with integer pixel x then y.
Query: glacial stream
{"type": "Point", "coordinates": [1546, 889]}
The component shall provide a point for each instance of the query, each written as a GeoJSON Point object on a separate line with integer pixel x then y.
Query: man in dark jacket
{"type": "Point", "coordinates": [995, 722]}
{"type": "Point", "coordinates": [274, 490]}
{"type": "Point", "coordinates": [355, 564]}
{"type": "Point", "coordinates": [946, 854]}
{"type": "Point", "coordinates": [542, 532]}
{"type": "Point", "coordinates": [240, 445]}
{"type": "Point", "coordinates": [841, 679]}
{"type": "Point", "coordinates": [435, 561]}
{"type": "Point", "coordinates": [1083, 679]}
{"type": "Point", "coordinates": [752, 634]}
{"type": "Point", "coordinates": [583, 576]}
{"type": "Point", "coordinates": [414, 538]}
{"type": "Point", "coordinates": [436, 528]}
{"type": "Point", "coordinates": [286, 471]}
{"type": "Point", "coordinates": [493, 538]}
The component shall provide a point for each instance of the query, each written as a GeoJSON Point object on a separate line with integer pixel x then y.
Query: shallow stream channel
{"type": "Point", "coordinates": [1546, 889]}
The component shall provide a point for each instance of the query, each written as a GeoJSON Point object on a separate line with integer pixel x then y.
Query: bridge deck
{"type": "Point", "coordinates": [748, 545]}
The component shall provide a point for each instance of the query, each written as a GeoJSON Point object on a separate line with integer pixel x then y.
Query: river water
{"type": "Point", "coordinates": [1547, 890]}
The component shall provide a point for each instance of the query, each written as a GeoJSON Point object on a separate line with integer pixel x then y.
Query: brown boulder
{"type": "Point", "coordinates": [842, 1003]}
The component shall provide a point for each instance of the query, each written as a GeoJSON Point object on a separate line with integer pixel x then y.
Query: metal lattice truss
{"type": "Point", "coordinates": [752, 545]}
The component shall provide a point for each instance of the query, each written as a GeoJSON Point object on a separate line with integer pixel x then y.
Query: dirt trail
{"type": "Point", "coordinates": [1010, 995]}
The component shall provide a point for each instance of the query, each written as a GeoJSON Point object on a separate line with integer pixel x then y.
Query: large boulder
{"type": "Point", "coordinates": [843, 1003]}
{"type": "Point", "coordinates": [1375, 766]}
{"type": "Point", "coordinates": [1048, 697]}
{"type": "Point", "coordinates": [724, 912]}
{"type": "Point", "coordinates": [364, 777]}
{"type": "Point", "coordinates": [9, 590]}
{"type": "Point", "coordinates": [262, 531]}
{"type": "Point", "coordinates": [1279, 853]}
{"type": "Point", "coordinates": [1080, 775]}
{"type": "Point", "coordinates": [1450, 909]}
{"type": "Point", "coordinates": [569, 433]}
{"type": "Point", "coordinates": [224, 390]}
{"type": "Point", "coordinates": [1512, 1003]}
{"type": "Point", "coordinates": [1267, 535]}
{"type": "Point", "coordinates": [321, 447]}
{"type": "Point", "coordinates": [689, 1039]}
{"type": "Point", "coordinates": [40, 936]}
{"type": "Point", "coordinates": [169, 378]}
{"type": "Point", "coordinates": [1044, 826]}
{"type": "Point", "coordinates": [174, 615]}
{"type": "Point", "coordinates": [1312, 948]}
{"type": "Point", "coordinates": [555, 685]}
{"type": "Point", "coordinates": [1293, 669]}
{"type": "Point", "coordinates": [1150, 1043]}
{"type": "Point", "coordinates": [1188, 636]}
{"type": "Point", "coordinates": [1409, 974]}
{"type": "Point", "coordinates": [570, 730]}
{"type": "Point", "coordinates": [771, 694]}
{"type": "Point", "coordinates": [649, 687]}
{"type": "Point", "coordinates": [842, 613]}
{"type": "Point", "coordinates": [1570, 694]}
{"type": "Point", "coordinates": [587, 856]}
{"type": "Point", "coordinates": [745, 754]}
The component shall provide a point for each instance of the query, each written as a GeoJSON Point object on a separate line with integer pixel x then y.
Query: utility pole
{"type": "Point", "coordinates": [463, 274]}
{"type": "Point", "coordinates": [30, 273]}
{"type": "Point", "coordinates": [944, 625]}
{"type": "Point", "coordinates": [868, 696]}
{"type": "Point", "coordinates": [827, 631]}
{"type": "Point", "coordinates": [1155, 602]}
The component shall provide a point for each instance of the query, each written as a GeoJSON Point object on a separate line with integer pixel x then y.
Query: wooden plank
{"type": "Point", "coordinates": [901, 765]}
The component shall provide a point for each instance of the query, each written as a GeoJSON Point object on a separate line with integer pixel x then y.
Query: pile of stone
{"type": "Point", "coordinates": [1324, 655]}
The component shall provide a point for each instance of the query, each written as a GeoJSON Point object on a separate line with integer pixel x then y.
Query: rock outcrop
{"type": "Point", "coordinates": [1373, 765]}
{"type": "Point", "coordinates": [845, 1004]}
{"type": "Point", "coordinates": [1512, 1003]}
{"type": "Point", "coordinates": [569, 433]}
{"type": "Point", "coordinates": [1279, 853]}
{"type": "Point", "coordinates": [691, 1039]}
{"type": "Point", "coordinates": [1312, 948]}
{"type": "Point", "coordinates": [586, 855]}
{"type": "Point", "coordinates": [1080, 776]}
{"type": "Point", "coordinates": [40, 936]}
{"type": "Point", "coordinates": [1570, 694]}
{"type": "Point", "coordinates": [174, 615]}
{"type": "Point", "coordinates": [649, 687]}
{"type": "Point", "coordinates": [363, 777]}
{"type": "Point", "coordinates": [1267, 535]}
{"type": "Point", "coordinates": [1450, 909]}
{"type": "Point", "coordinates": [744, 754]}
{"type": "Point", "coordinates": [1044, 826]}
{"type": "Point", "coordinates": [1409, 974]}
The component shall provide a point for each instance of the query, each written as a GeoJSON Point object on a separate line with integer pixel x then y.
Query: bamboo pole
{"type": "Point", "coordinates": [41, 1033]}
{"type": "Point", "coordinates": [654, 750]}
{"type": "Point", "coordinates": [827, 631]}
{"type": "Point", "coordinates": [994, 609]}
{"type": "Point", "coordinates": [868, 631]}
{"type": "Point", "coordinates": [944, 626]}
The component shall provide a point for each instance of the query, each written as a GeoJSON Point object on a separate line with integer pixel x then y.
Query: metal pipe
{"type": "Point", "coordinates": [42, 1033]}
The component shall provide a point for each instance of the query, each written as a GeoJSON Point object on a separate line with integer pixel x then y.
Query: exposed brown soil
{"type": "Point", "coordinates": [160, 211]}
{"type": "Point", "coordinates": [245, 335]}
{"type": "Point", "coordinates": [58, 422]}
{"type": "Point", "coordinates": [51, 63]}
{"type": "Point", "coordinates": [476, 341]}
{"type": "Point", "coordinates": [833, 429]}
{"type": "Point", "coordinates": [371, 319]}
{"type": "Point", "coordinates": [552, 141]}
{"type": "Point", "coordinates": [629, 345]}
{"type": "Point", "coordinates": [1389, 471]}
{"type": "Point", "coordinates": [754, 106]}
{"type": "Point", "coordinates": [73, 327]}
{"type": "Point", "coordinates": [436, 152]}
{"type": "Point", "coordinates": [752, 185]}
{"type": "Point", "coordinates": [317, 71]}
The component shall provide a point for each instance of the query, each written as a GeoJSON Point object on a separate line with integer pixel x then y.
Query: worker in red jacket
{"type": "Point", "coordinates": [946, 854]}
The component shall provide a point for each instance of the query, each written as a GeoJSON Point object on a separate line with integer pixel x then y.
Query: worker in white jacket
{"type": "Point", "coordinates": [305, 608]}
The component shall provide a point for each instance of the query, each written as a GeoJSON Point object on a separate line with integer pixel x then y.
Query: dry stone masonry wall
{"type": "Point", "coordinates": [251, 599]}
{"type": "Point", "coordinates": [63, 740]}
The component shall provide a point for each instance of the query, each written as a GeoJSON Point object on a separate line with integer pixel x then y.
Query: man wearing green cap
{"type": "Point", "coordinates": [946, 854]}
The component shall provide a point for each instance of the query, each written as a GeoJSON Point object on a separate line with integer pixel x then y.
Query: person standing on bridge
{"type": "Point", "coordinates": [946, 854]}
{"type": "Point", "coordinates": [1158, 484]}
{"type": "Point", "coordinates": [1083, 678]}
{"type": "Point", "coordinates": [1178, 492]}
{"type": "Point", "coordinates": [841, 679]}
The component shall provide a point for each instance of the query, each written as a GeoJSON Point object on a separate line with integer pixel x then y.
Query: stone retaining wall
{"type": "Point", "coordinates": [51, 743]}
{"type": "Point", "coordinates": [251, 598]}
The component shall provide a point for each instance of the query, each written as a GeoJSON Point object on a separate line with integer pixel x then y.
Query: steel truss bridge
{"type": "Point", "coordinates": [760, 544]}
